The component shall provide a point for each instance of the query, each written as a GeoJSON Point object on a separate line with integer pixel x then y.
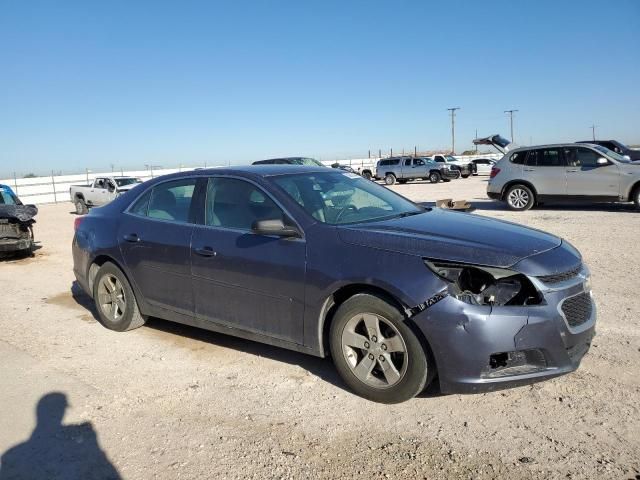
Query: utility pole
{"type": "Point", "coordinates": [476, 139]}
{"type": "Point", "coordinates": [453, 128]}
{"type": "Point", "coordinates": [510, 112]}
{"type": "Point", "coordinates": [593, 131]}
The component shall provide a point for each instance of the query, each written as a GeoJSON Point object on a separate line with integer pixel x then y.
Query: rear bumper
{"type": "Point", "coordinates": [466, 340]}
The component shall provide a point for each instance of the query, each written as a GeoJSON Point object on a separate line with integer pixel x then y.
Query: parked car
{"type": "Point", "coordinates": [309, 162]}
{"type": "Point", "coordinates": [464, 167]}
{"type": "Point", "coordinates": [482, 166]}
{"type": "Point", "coordinates": [403, 169]}
{"type": "Point", "coordinates": [100, 192]}
{"type": "Point", "coordinates": [16, 222]}
{"type": "Point", "coordinates": [282, 255]}
{"type": "Point", "coordinates": [345, 168]}
{"type": "Point", "coordinates": [618, 147]}
{"type": "Point", "coordinates": [532, 175]}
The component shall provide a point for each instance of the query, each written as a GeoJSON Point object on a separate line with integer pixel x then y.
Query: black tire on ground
{"type": "Point", "coordinates": [367, 175]}
{"type": "Point", "coordinates": [435, 177]}
{"type": "Point", "coordinates": [81, 207]}
{"type": "Point", "coordinates": [122, 298]}
{"type": "Point", "coordinates": [402, 182]}
{"type": "Point", "coordinates": [415, 367]}
{"type": "Point", "coordinates": [389, 179]}
{"type": "Point", "coordinates": [520, 197]}
{"type": "Point", "coordinates": [635, 196]}
{"type": "Point", "coordinates": [466, 175]}
{"type": "Point", "coordinates": [446, 179]}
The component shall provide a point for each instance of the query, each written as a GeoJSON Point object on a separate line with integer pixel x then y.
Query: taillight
{"type": "Point", "coordinates": [76, 222]}
{"type": "Point", "coordinates": [494, 171]}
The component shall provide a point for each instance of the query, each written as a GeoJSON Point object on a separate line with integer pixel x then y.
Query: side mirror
{"type": "Point", "coordinates": [626, 157]}
{"type": "Point", "coordinates": [274, 227]}
{"type": "Point", "coordinates": [602, 161]}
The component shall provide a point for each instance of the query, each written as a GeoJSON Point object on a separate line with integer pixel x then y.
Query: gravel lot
{"type": "Point", "coordinates": [168, 401]}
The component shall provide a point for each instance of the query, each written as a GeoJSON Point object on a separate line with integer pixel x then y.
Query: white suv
{"type": "Point", "coordinates": [528, 176]}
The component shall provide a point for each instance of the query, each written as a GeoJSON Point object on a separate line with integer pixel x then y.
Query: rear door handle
{"type": "Point", "coordinates": [572, 170]}
{"type": "Point", "coordinates": [132, 237]}
{"type": "Point", "coordinates": [206, 252]}
{"type": "Point", "coordinates": [528, 169]}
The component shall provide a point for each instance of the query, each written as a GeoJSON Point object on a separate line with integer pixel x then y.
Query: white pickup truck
{"type": "Point", "coordinates": [100, 192]}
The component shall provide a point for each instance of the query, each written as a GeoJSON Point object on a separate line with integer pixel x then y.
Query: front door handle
{"type": "Point", "coordinates": [528, 169]}
{"type": "Point", "coordinates": [206, 252]}
{"type": "Point", "coordinates": [572, 170]}
{"type": "Point", "coordinates": [132, 238]}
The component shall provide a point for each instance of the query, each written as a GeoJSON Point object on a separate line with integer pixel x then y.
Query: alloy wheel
{"type": "Point", "coordinates": [111, 297]}
{"type": "Point", "coordinates": [518, 198]}
{"type": "Point", "coordinates": [374, 350]}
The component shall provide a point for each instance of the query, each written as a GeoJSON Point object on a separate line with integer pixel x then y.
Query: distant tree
{"type": "Point", "coordinates": [30, 175]}
{"type": "Point", "coordinates": [469, 152]}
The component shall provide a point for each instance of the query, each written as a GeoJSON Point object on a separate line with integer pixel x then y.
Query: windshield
{"type": "Point", "coordinates": [309, 162]}
{"type": "Point", "coordinates": [451, 158]}
{"type": "Point", "coordinates": [339, 198]}
{"type": "Point", "coordinates": [121, 182]}
{"type": "Point", "coordinates": [7, 197]}
{"type": "Point", "coordinates": [611, 154]}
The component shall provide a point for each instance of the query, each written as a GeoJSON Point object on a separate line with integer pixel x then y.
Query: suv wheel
{"type": "Point", "coordinates": [114, 299]}
{"type": "Point", "coordinates": [520, 197]}
{"type": "Point", "coordinates": [376, 352]}
{"type": "Point", "coordinates": [434, 177]}
{"type": "Point", "coordinates": [389, 179]}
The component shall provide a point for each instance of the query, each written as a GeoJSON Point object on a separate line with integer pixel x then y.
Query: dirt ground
{"type": "Point", "coordinates": [168, 401]}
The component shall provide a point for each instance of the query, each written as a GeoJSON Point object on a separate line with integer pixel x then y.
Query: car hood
{"type": "Point", "coordinates": [465, 238]}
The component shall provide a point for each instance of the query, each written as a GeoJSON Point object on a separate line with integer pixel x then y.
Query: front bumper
{"type": "Point", "coordinates": [15, 245]}
{"type": "Point", "coordinates": [466, 339]}
{"type": "Point", "coordinates": [449, 174]}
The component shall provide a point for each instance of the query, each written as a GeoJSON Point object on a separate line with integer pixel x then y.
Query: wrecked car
{"type": "Point", "coordinates": [327, 263]}
{"type": "Point", "coordinates": [16, 222]}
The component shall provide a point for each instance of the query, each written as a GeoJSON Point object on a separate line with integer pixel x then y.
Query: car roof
{"type": "Point", "coordinates": [264, 170]}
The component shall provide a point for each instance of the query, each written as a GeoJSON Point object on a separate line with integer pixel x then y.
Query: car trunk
{"type": "Point", "coordinates": [496, 141]}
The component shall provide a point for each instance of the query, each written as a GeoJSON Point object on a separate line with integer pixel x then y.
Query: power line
{"type": "Point", "coordinates": [452, 111]}
{"type": "Point", "coordinates": [510, 112]}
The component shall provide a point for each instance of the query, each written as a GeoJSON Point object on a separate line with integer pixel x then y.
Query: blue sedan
{"type": "Point", "coordinates": [325, 262]}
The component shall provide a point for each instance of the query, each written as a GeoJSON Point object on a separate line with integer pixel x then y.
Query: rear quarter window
{"type": "Point", "coordinates": [518, 158]}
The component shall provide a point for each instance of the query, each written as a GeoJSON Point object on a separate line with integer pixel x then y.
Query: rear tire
{"type": "Point", "coordinates": [367, 175]}
{"type": "Point", "coordinates": [81, 207]}
{"type": "Point", "coordinates": [115, 301]}
{"type": "Point", "coordinates": [376, 352]}
{"type": "Point", "coordinates": [434, 177]}
{"type": "Point", "coordinates": [520, 198]}
{"type": "Point", "coordinates": [389, 179]}
{"type": "Point", "coordinates": [465, 176]}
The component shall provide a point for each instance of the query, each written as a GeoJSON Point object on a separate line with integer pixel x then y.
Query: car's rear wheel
{"type": "Point", "coordinates": [367, 175]}
{"type": "Point", "coordinates": [81, 207]}
{"type": "Point", "coordinates": [389, 179]}
{"type": "Point", "coordinates": [434, 177]}
{"type": "Point", "coordinates": [466, 175]}
{"type": "Point", "coordinates": [376, 352]}
{"type": "Point", "coordinates": [520, 197]}
{"type": "Point", "coordinates": [114, 300]}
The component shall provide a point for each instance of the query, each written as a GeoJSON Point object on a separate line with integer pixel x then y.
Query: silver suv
{"type": "Point", "coordinates": [528, 176]}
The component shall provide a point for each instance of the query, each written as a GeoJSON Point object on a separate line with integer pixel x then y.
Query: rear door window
{"type": "Point", "coordinates": [172, 201]}
{"type": "Point", "coordinates": [550, 157]}
{"type": "Point", "coordinates": [407, 162]}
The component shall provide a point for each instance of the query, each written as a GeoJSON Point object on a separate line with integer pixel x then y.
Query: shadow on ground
{"type": "Point", "coordinates": [320, 367]}
{"type": "Point", "coordinates": [57, 451]}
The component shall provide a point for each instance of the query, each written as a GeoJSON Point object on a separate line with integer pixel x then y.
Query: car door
{"type": "Point", "coordinates": [241, 279]}
{"type": "Point", "coordinates": [419, 168]}
{"type": "Point", "coordinates": [587, 177]}
{"type": "Point", "coordinates": [98, 195]}
{"type": "Point", "coordinates": [545, 169]}
{"type": "Point", "coordinates": [407, 171]}
{"type": "Point", "coordinates": [155, 240]}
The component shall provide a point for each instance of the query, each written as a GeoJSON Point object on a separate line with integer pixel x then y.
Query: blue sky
{"type": "Point", "coordinates": [89, 84]}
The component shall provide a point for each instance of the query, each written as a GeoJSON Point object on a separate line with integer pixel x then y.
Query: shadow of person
{"type": "Point", "coordinates": [56, 451]}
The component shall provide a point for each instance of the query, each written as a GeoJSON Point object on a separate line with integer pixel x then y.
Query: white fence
{"type": "Point", "coordinates": [55, 188]}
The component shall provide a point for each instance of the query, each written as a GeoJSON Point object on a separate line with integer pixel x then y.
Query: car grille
{"type": "Point", "coordinates": [561, 277]}
{"type": "Point", "coordinates": [577, 309]}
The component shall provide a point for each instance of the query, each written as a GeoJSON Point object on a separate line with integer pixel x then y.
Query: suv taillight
{"type": "Point", "coordinates": [76, 223]}
{"type": "Point", "coordinates": [494, 171]}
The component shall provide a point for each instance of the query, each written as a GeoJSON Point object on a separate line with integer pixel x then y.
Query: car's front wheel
{"type": "Point", "coordinates": [81, 207]}
{"type": "Point", "coordinates": [389, 179]}
{"type": "Point", "coordinates": [114, 299]}
{"type": "Point", "coordinates": [520, 197]}
{"type": "Point", "coordinates": [376, 352]}
{"type": "Point", "coordinates": [636, 197]}
{"type": "Point", "coordinates": [367, 175]}
{"type": "Point", "coordinates": [434, 177]}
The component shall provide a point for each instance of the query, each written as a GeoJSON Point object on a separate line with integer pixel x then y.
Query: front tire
{"type": "Point", "coordinates": [376, 352]}
{"type": "Point", "coordinates": [434, 177]}
{"type": "Point", "coordinates": [81, 207]}
{"type": "Point", "coordinates": [115, 301]}
{"type": "Point", "coordinates": [520, 198]}
{"type": "Point", "coordinates": [465, 175]}
{"type": "Point", "coordinates": [367, 175]}
{"type": "Point", "coordinates": [389, 179]}
{"type": "Point", "coordinates": [635, 196]}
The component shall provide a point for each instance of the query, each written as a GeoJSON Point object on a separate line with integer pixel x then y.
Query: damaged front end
{"type": "Point", "coordinates": [16, 227]}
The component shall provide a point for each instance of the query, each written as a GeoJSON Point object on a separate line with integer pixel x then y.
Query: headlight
{"type": "Point", "coordinates": [479, 285]}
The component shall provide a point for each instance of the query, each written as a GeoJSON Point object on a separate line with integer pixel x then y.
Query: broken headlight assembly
{"type": "Point", "coordinates": [479, 285]}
